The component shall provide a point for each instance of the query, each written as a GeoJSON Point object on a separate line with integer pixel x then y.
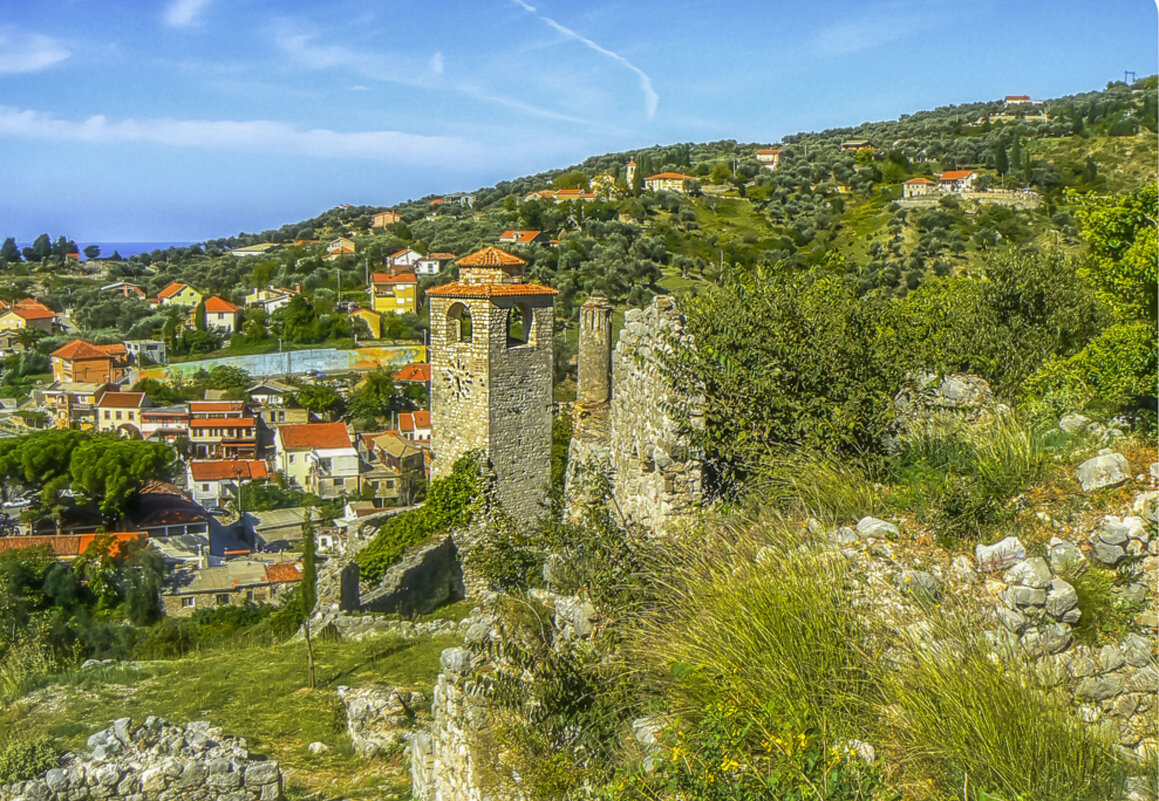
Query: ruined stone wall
{"type": "Point", "coordinates": [152, 761]}
{"type": "Point", "coordinates": [657, 474]}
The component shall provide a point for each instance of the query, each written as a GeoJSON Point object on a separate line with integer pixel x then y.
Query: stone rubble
{"type": "Point", "coordinates": [155, 761]}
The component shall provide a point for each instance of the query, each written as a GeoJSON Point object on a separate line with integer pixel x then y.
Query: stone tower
{"type": "Point", "coordinates": [630, 174]}
{"type": "Point", "coordinates": [491, 376]}
{"type": "Point", "coordinates": [595, 352]}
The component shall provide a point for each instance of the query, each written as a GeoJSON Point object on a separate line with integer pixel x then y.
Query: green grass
{"type": "Point", "coordinates": [256, 692]}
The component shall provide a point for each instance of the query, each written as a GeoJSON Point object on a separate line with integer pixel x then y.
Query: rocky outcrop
{"type": "Point", "coordinates": [379, 718]}
{"type": "Point", "coordinates": [155, 761]}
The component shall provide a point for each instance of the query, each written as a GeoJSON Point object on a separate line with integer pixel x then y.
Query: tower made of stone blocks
{"type": "Point", "coordinates": [491, 376]}
{"type": "Point", "coordinates": [594, 379]}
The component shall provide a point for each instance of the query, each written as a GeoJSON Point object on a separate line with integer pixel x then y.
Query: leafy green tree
{"type": "Point", "coordinates": [320, 399]}
{"type": "Point", "coordinates": [1120, 232]}
{"type": "Point", "coordinates": [110, 471]}
{"type": "Point", "coordinates": [93, 252]}
{"type": "Point", "coordinates": [575, 179]}
{"type": "Point", "coordinates": [199, 317]}
{"type": "Point", "coordinates": [376, 398]}
{"type": "Point", "coordinates": [41, 249]}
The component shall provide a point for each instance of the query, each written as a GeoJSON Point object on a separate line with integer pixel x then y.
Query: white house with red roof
{"type": "Point", "coordinates": [433, 263]}
{"type": "Point", "coordinates": [957, 181]}
{"type": "Point", "coordinates": [415, 426]}
{"type": "Point", "coordinates": [221, 315]}
{"type": "Point", "coordinates": [211, 483]}
{"type": "Point", "coordinates": [770, 158]}
{"type": "Point", "coordinates": [320, 457]}
{"type": "Point", "coordinates": [916, 187]}
{"type": "Point", "coordinates": [404, 258]}
{"type": "Point", "coordinates": [522, 238]}
{"type": "Point", "coordinates": [667, 181]}
{"type": "Point", "coordinates": [122, 412]}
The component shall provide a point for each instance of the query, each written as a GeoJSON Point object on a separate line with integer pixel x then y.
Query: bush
{"type": "Point", "coordinates": [987, 727]}
{"type": "Point", "coordinates": [24, 758]}
{"type": "Point", "coordinates": [1106, 617]}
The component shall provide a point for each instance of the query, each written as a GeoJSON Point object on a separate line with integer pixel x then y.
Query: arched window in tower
{"type": "Point", "coordinates": [519, 323]}
{"type": "Point", "coordinates": [459, 327]}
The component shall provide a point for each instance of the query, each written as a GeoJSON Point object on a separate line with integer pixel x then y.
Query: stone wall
{"type": "Point", "coordinates": [155, 761]}
{"type": "Point", "coordinates": [428, 576]}
{"type": "Point", "coordinates": [657, 475]}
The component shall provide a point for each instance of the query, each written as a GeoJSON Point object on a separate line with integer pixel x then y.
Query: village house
{"type": "Point", "coordinates": [916, 187]}
{"type": "Point", "coordinates": [404, 258]}
{"type": "Point", "coordinates": [667, 181]}
{"type": "Point", "coordinates": [83, 361]}
{"type": "Point", "coordinates": [271, 298]}
{"type": "Point", "coordinates": [179, 294]}
{"type": "Point", "coordinates": [1016, 100]}
{"type": "Point", "coordinates": [233, 583]}
{"type": "Point", "coordinates": [394, 293]}
{"type": "Point", "coordinates": [433, 263]}
{"type": "Point", "coordinates": [122, 412]}
{"type": "Point", "coordinates": [213, 482]}
{"type": "Point", "coordinates": [221, 315]}
{"type": "Point", "coordinates": [125, 290]}
{"type": "Point", "coordinates": [342, 246]}
{"type": "Point", "coordinates": [19, 318]}
{"type": "Point", "coordinates": [385, 218]}
{"type": "Point", "coordinates": [161, 510]}
{"type": "Point", "coordinates": [854, 145]}
{"type": "Point", "coordinates": [523, 238]}
{"type": "Point", "coordinates": [415, 426]}
{"type": "Point", "coordinates": [260, 249]}
{"type": "Point", "coordinates": [71, 404]}
{"type": "Point", "coordinates": [146, 351]}
{"type": "Point", "coordinates": [319, 457]}
{"type": "Point", "coordinates": [414, 373]}
{"type": "Point", "coordinates": [547, 195]}
{"type": "Point", "coordinates": [165, 423]}
{"type": "Point", "coordinates": [270, 392]}
{"type": "Point", "coordinates": [770, 159]}
{"type": "Point", "coordinates": [397, 466]}
{"type": "Point", "coordinates": [222, 430]}
{"type": "Point", "coordinates": [957, 181]}
{"type": "Point", "coordinates": [582, 195]}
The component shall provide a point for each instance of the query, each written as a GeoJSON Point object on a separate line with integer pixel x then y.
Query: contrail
{"type": "Point", "coordinates": [651, 99]}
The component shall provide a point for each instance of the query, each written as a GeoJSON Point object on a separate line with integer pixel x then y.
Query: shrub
{"type": "Point", "coordinates": [1105, 615]}
{"type": "Point", "coordinates": [979, 725]}
{"type": "Point", "coordinates": [23, 758]}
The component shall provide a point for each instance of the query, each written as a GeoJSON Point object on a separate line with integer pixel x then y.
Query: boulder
{"type": "Point", "coordinates": [1034, 572]}
{"type": "Point", "coordinates": [999, 555]}
{"type": "Point", "coordinates": [1107, 470]}
{"type": "Point", "coordinates": [1065, 557]}
{"type": "Point", "coordinates": [872, 528]}
{"type": "Point", "coordinates": [1073, 423]}
{"type": "Point", "coordinates": [1060, 599]}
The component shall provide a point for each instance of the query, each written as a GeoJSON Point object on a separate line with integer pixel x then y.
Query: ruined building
{"type": "Point", "coordinates": [629, 422]}
{"type": "Point", "coordinates": [491, 376]}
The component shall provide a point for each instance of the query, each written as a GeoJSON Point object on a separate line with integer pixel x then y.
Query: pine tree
{"type": "Point", "coordinates": [1001, 162]}
{"type": "Point", "coordinates": [309, 588]}
{"type": "Point", "coordinates": [9, 252]}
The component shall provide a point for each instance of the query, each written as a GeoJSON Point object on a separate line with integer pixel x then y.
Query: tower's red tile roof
{"type": "Point", "coordinates": [457, 289]}
{"type": "Point", "coordinates": [491, 257]}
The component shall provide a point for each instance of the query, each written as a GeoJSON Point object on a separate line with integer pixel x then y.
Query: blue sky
{"type": "Point", "coordinates": [191, 119]}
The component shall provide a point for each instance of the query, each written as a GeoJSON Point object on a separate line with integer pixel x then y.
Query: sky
{"type": "Point", "coordinates": [185, 120]}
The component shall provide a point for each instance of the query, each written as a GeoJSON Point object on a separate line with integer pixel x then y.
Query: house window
{"type": "Point", "coordinates": [108, 415]}
{"type": "Point", "coordinates": [188, 602]}
{"type": "Point", "coordinates": [205, 488]}
{"type": "Point", "coordinates": [118, 415]}
{"type": "Point", "coordinates": [291, 458]}
{"type": "Point", "coordinates": [222, 598]}
{"type": "Point", "coordinates": [390, 483]}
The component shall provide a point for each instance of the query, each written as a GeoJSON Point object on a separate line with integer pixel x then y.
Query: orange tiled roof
{"type": "Point", "coordinates": [768, 152]}
{"type": "Point", "coordinates": [122, 400]}
{"type": "Point", "coordinates": [1017, 97]}
{"type": "Point", "coordinates": [171, 290]}
{"type": "Point", "coordinates": [219, 306]}
{"type": "Point", "coordinates": [441, 256]}
{"type": "Point", "coordinates": [490, 257]}
{"type": "Point", "coordinates": [417, 371]}
{"type": "Point", "coordinates": [116, 349]}
{"type": "Point", "coordinates": [569, 192]}
{"type": "Point", "coordinates": [234, 468]}
{"type": "Point", "coordinates": [388, 278]}
{"type": "Point", "coordinates": [519, 236]}
{"type": "Point", "coordinates": [956, 175]}
{"type": "Point", "coordinates": [409, 421]}
{"type": "Point", "coordinates": [323, 436]}
{"type": "Point", "coordinates": [402, 252]}
{"type": "Point", "coordinates": [67, 544]}
{"type": "Point", "coordinates": [670, 175]}
{"type": "Point", "coordinates": [34, 314]}
{"type": "Point", "coordinates": [919, 181]}
{"type": "Point", "coordinates": [280, 572]}
{"type": "Point", "coordinates": [29, 303]}
{"type": "Point", "coordinates": [79, 349]}
{"type": "Point", "coordinates": [460, 290]}
{"type": "Point", "coordinates": [205, 407]}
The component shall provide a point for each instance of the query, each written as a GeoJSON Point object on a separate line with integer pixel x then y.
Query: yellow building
{"type": "Point", "coordinates": [179, 294]}
{"type": "Point", "coordinates": [667, 181]}
{"type": "Point", "coordinates": [394, 293]}
{"type": "Point", "coordinates": [372, 319]}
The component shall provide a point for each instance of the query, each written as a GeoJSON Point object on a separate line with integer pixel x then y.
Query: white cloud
{"type": "Point", "coordinates": [255, 135]}
{"type": "Point", "coordinates": [183, 13]}
{"type": "Point", "coordinates": [651, 98]}
{"type": "Point", "coordinates": [21, 51]}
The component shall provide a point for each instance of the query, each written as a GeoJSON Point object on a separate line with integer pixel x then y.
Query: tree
{"type": "Point", "coordinates": [308, 591]}
{"type": "Point", "coordinates": [9, 252]}
{"type": "Point", "coordinates": [320, 399]}
{"type": "Point", "coordinates": [1001, 162]}
{"type": "Point", "coordinates": [199, 317]}
{"type": "Point", "coordinates": [376, 398]}
{"type": "Point", "coordinates": [41, 249]}
{"type": "Point", "coordinates": [93, 252]}
{"type": "Point", "coordinates": [110, 471]}
{"type": "Point", "coordinates": [1121, 234]}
